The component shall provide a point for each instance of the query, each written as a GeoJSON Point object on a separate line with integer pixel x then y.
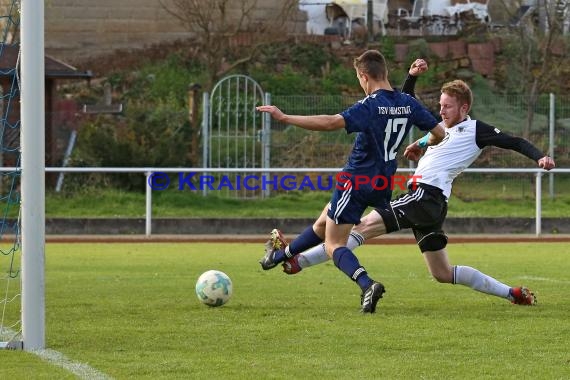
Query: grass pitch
{"type": "Point", "coordinates": [129, 311]}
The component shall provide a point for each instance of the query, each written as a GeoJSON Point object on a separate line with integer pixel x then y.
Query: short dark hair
{"type": "Point", "coordinates": [372, 63]}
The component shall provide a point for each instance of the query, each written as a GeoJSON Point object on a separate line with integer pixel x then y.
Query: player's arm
{"type": "Point", "coordinates": [434, 137]}
{"type": "Point", "coordinates": [418, 67]}
{"type": "Point", "coordinates": [310, 122]}
{"type": "Point", "coordinates": [487, 135]}
{"type": "Point", "coordinates": [414, 151]}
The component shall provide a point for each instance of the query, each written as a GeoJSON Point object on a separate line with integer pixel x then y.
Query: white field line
{"type": "Point", "coordinates": [81, 370]}
{"type": "Point", "coordinates": [544, 279]}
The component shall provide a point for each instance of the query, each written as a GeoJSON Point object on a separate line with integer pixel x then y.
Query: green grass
{"type": "Point", "coordinates": [114, 203]}
{"type": "Point", "coordinates": [129, 310]}
{"type": "Point", "coordinates": [183, 204]}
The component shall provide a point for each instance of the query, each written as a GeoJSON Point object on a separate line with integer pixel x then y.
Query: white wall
{"type": "Point", "coordinates": [317, 19]}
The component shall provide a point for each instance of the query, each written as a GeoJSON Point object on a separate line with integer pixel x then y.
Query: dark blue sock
{"type": "Point", "coordinates": [307, 239]}
{"type": "Point", "coordinates": [347, 262]}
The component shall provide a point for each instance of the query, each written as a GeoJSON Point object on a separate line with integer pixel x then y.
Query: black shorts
{"type": "Point", "coordinates": [423, 210]}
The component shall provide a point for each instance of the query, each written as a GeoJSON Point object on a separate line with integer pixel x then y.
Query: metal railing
{"type": "Point", "coordinates": [148, 171]}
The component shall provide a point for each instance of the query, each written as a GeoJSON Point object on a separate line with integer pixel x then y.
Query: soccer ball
{"type": "Point", "coordinates": [214, 288]}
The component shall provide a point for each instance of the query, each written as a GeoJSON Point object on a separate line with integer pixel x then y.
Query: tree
{"type": "Point", "coordinates": [228, 33]}
{"type": "Point", "coordinates": [537, 54]}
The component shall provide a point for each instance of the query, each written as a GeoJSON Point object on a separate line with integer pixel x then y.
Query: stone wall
{"type": "Point", "coordinates": [80, 28]}
{"type": "Point", "coordinates": [77, 29]}
{"type": "Point", "coordinates": [480, 57]}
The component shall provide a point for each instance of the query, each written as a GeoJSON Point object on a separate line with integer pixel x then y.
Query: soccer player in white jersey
{"type": "Point", "coordinates": [424, 207]}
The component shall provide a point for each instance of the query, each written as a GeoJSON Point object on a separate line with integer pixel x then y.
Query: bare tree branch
{"type": "Point", "coordinates": [221, 28]}
{"type": "Point", "coordinates": [537, 35]}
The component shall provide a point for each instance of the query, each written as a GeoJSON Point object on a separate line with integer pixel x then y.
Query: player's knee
{"type": "Point", "coordinates": [371, 225]}
{"type": "Point", "coordinates": [319, 228]}
{"type": "Point", "coordinates": [433, 242]}
{"type": "Point", "coordinates": [365, 227]}
{"type": "Point", "coordinates": [438, 277]}
{"type": "Point", "coordinates": [320, 232]}
{"type": "Point", "coordinates": [443, 277]}
{"type": "Point", "coordinates": [329, 249]}
{"type": "Point", "coordinates": [319, 224]}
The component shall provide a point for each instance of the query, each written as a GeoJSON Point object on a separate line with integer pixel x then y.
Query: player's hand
{"type": "Point", "coordinates": [418, 67]}
{"type": "Point", "coordinates": [413, 152]}
{"type": "Point", "coordinates": [273, 111]}
{"type": "Point", "coordinates": [546, 163]}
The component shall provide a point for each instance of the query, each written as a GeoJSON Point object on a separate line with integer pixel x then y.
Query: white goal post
{"type": "Point", "coordinates": [33, 173]}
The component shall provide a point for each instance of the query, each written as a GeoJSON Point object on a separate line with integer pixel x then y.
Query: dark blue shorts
{"type": "Point", "coordinates": [349, 201]}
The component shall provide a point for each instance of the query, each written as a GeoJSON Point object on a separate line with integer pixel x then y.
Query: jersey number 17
{"type": "Point", "coordinates": [393, 126]}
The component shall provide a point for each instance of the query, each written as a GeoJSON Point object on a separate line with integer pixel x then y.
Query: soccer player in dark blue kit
{"type": "Point", "coordinates": [381, 120]}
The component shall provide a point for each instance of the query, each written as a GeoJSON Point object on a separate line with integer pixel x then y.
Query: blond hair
{"type": "Point", "coordinates": [460, 91]}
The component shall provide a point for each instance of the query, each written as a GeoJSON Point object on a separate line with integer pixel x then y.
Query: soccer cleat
{"type": "Point", "coordinates": [278, 239]}
{"type": "Point", "coordinates": [291, 266]}
{"type": "Point", "coordinates": [522, 296]}
{"type": "Point", "coordinates": [370, 297]}
{"type": "Point", "coordinates": [268, 261]}
{"type": "Point", "coordinates": [276, 242]}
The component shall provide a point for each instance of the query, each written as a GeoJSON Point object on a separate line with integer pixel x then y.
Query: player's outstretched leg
{"type": "Point", "coordinates": [317, 255]}
{"type": "Point", "coordinates": [522, 296]}
{"type": "Point", "coordinates": [277, 250]}
{"type": "Point", "coordinates": [476, 280]}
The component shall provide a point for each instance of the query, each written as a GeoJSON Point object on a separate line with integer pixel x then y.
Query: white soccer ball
{"type": "Point", "coordinates": [214, 288]}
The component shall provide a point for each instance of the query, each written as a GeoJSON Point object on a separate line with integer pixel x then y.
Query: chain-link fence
{"type": "Point", "coordinates": [294, 147]}
{"type": "Point", "coordinates": [106, 141]}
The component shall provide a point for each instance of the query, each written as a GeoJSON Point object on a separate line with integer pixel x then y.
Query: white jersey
{"type": "Point", "coordinates": [443, 162]}
{"type": "Point", "coordinates": [461, 145]}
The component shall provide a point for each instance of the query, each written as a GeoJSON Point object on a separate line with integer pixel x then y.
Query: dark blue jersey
{"type": "Point", "coordinates": [382, 121]}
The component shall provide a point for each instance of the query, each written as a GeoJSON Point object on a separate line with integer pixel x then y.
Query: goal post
{"type": "Point", "coordinates": [32, 137]}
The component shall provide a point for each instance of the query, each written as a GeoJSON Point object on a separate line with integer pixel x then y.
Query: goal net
{"type": "Point", "coordinates": [10, 258]}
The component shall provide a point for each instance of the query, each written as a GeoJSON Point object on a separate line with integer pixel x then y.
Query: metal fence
{"type": "Point", "coordinates": [549, 130]}
{"type": "Point", "coordinates": [294, 148]}
{"type": "Point", "coordinates": [537, 176]}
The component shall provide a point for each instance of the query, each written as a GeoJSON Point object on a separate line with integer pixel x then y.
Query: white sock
{"type": "Point", "coordinates": [318, 255]}
{"type": "Point", "coordinates": [476, 280]}
{"type": "Point", "coordinates": [313, 256]}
